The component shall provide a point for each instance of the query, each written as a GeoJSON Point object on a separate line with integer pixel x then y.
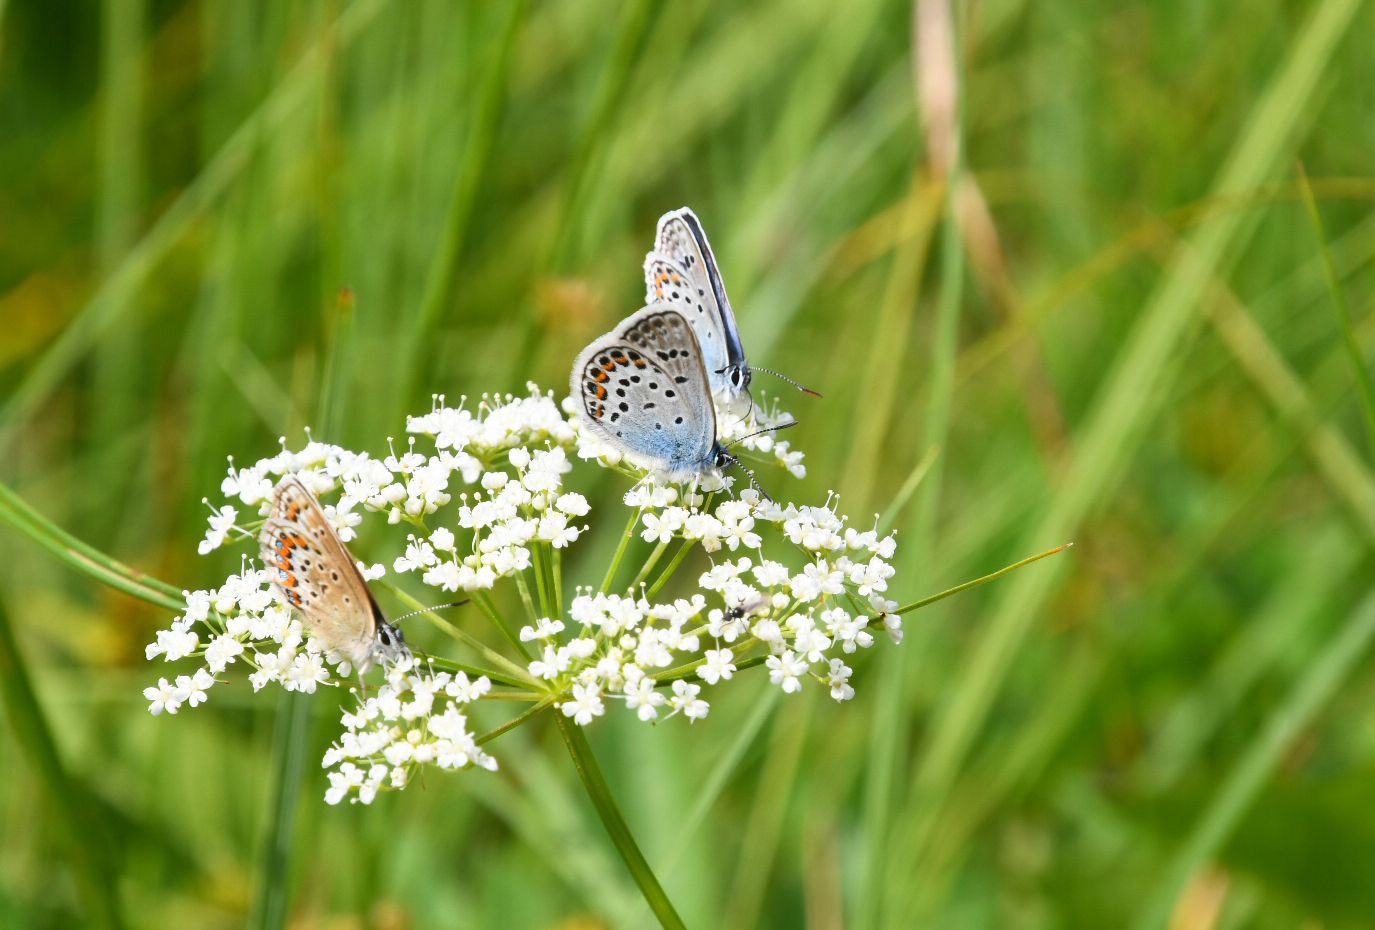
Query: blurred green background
{"type": "Point", "coordinates": [1110, 315]}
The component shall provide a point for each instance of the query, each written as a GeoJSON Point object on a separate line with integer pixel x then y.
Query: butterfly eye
{"type": "Point", "coordinates": [384, 636]}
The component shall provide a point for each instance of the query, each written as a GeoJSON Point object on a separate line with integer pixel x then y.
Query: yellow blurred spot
{"type": "Point", "coordinates": [1198, 907]}
{"type": "Point", "coordinates": [389, 915]}
{"type": "Point", "coordinates": [581, 922]}
{"type": "Point", "coordinates": [569, 303]}
{"type": "Point", "coordinates": [33, 312]}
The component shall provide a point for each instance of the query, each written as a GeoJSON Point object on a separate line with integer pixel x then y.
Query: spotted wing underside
{"type": "Point", "coordinates": [317, 575]}
{"type": "Point", "coordinates": [682, 242]}
{"type": "Point", "coordinates": [642, 387]}
{"type": "Point", "coordinates": [667, 282]}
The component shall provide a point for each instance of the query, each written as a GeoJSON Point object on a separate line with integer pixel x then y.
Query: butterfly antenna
{"type": "Point", "coordinates": [804, 390]}
{"type": "Point", "coordinates": [728, 460]}
{"type": "Point", "coordinates": [767, 429]}
{"type": "Point", "coordinates": [425, 610]}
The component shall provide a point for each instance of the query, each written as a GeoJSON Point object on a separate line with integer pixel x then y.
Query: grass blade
{"type": "Point", "coordinates": [477, 150]}
{"type": "Point", "coordinates": [1115, 428]}
{"type": "Point", "coordinates": [95, 885]}
{"type": "Point", "coordinates": [1305, 700]}
{"type": "Point", "coordinates": [103, 309]}
{"type": "Point", "coordinates": [85, 559]}
{"type": "Point", "coordinates": [1334, 286]}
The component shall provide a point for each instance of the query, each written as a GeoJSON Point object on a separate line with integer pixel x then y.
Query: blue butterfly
{"type": "Point", "coordinates": [642, 389]}
{"type": "Point", "coordinates": [682, 271]}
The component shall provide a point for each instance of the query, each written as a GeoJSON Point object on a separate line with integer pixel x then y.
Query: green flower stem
{"type": "Point", "coordinates": [525, 597]}
{"type": "Point", "coordinates": [620, 551]}
{"type": "Point", "coordinates": [621, 838]}
{"type": "Point", "coordinates": [689, 672]}
{"type": "Point", "coordinates": [476, 671]}
{"type": "Point", "coordinates": [518, 720]}
{"type": "Point", "coordinates": [92, 877]}
{"type": "Point", "coordinates": [484, 603]}
{"type": "Point", "coordinates": [484, 600]}
{"type": "Point", "coordinates": [535, 696]}
{"type": "Point", "coordinates": [915, 605]}
{"type": "Point", "coordinates": [91, 562]}
{"type": "Point", "coordinates": [556, 558]}
{"type": "Point", "coordinates": [542, 586]}
{"type": "Point", "coordinates": [650, 562]}
{"type": "Point", "coordinates": [689, 669]}
{"type": "Point", "coordinates": [672, 566]}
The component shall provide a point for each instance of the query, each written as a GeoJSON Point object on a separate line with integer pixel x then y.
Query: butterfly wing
{"type": "Point", "coordinates": [681, 246]}
{"type": "Point", "coordinates": [643, 389]}
{"type": "Point", "coordinates": [667, 282]}
{"type": "Point", "coordinates": [317, 576]}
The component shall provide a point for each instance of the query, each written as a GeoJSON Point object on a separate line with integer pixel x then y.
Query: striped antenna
{"type": "Point", "coordinates": [425, 610]}
{"type": "Point", "coordinates": [804, 390]}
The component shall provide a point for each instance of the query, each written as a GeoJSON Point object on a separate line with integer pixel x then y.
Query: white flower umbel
{"type": "Point", "coordinates": [482, 490]}
{"type": "Point", "coordinates": [416, 718]}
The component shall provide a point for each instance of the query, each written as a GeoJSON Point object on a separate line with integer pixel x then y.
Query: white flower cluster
{"type": "Point", "coordinates": [795, 620]}
{"type": "Point", "coordinates": [414, 719]}
{"type": "Point", "coordinates": [514, 512]}
{"type": "Point", "coordinates": [241, 620]}
{"type": "Point", "coordinates": [796, 611]}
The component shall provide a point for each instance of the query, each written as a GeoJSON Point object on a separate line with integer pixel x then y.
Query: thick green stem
{"type": "Point", "coordinates": [93, 882]}
{"type": "Point", "coordinates": [621, 838]}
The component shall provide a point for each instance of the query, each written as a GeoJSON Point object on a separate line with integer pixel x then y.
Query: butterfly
{"type": "Point", "coordinates": [317, 576]}
{"type": "Point", "coordinates": [682, 270]}
{"type": "Point", "coordinates": [642, 388]}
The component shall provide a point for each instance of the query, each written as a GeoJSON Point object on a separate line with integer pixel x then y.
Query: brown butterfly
{"type": "Point", "coordinates": [317, 576]}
